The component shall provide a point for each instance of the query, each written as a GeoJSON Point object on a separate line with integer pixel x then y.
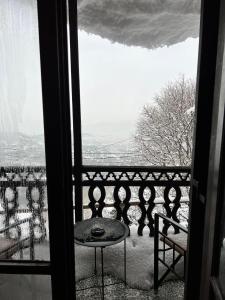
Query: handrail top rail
{"type": "Point", "coordinates": [172, 222]}
{"type": "Point", "coordinates": [93, 168]}
{"type": "Point", "coordinates": [101, 168]}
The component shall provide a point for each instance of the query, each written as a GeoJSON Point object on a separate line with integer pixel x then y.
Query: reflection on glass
{"type": "Point", "coordinates": [23, 196]}
{"type": "Point", "coordinates": [222, 253]}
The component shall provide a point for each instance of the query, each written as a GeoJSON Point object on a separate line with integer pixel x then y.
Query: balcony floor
{"type": "Point", "coordinates": [139, 258]}
{"type": "Point", "coordinates": [140, 262]}
{"type": "Point", "coordinates": [168, 291]}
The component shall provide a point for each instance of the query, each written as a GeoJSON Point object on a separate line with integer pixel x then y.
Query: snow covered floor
{"type": "Point", "coordinates": [140, 261]}
{"type": "Point", "coordinates": [168, 291]}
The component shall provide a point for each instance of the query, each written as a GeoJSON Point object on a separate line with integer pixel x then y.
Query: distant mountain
{"type": "Point", "coordinates": [110, 130]}
{"type": "Point", "coordinates": [19, 149]}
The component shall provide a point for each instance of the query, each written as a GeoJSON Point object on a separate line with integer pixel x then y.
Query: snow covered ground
{"type": "Point", "coordinates": [139, 268]}
{"type": "Point", "coordinates": [140, 261]}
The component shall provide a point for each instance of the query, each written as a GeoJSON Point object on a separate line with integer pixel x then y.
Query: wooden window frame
{"type": "Point", "coordinates": [209, 47]}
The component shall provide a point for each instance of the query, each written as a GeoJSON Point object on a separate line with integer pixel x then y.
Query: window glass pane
{"type": "Point", "coordinates": [138, 66]}
{"type": "Point", "coordinates": [25, 287]}
{"type": "Point", "coordinates": [138, 63]}
{"type": "Point", "coordinates": [221, 127]}
{"type": "Point", "coordinates": [23, 194]}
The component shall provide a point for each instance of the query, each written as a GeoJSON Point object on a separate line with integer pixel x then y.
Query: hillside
{"type": "Point", "coordinates": [19, 149]}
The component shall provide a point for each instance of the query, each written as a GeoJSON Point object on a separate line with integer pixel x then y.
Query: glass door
{"type": "Point", "coordinates": [36, 219]}
{"type": "Point", "coordinates": [24, 223]}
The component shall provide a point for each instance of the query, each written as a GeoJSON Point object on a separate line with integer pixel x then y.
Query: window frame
{"type": "Point", "coordinates": [52, 22]}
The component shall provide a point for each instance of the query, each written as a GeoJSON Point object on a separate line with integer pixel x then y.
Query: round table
{"type": "Point", "coordinates": [101, 232]}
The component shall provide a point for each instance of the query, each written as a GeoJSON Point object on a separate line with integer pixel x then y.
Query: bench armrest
{"type": "Point", "coordinates": [3, 230]}
{"type": "Point", "coordinates": [172, 222]}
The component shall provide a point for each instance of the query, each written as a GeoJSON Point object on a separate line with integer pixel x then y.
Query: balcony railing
{"type": "Point", "coordinates": [23, 192]}
{"type": "Point", "coordinates": [135, 193]}
{"type": "Point", "coordinates": [132, 194]}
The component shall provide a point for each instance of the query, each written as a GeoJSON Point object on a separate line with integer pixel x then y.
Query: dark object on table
{"type": "Point", "coordinates": [98, 229]}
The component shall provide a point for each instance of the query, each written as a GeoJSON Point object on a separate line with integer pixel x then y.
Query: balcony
{"type": "Point", "coordinates": [130, 194]}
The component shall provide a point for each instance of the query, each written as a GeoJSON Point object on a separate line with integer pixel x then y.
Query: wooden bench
{"type": "Point", "coordinates": [10, 246]}
{"type": "Point", "coordinates": [176, 243]}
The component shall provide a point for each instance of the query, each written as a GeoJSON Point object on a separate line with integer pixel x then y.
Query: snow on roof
{"type": "Point", "coordinates": [145, 23]}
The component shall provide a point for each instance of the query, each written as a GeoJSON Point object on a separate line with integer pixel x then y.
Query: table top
{"type": "Point", "coordinates": [111, 231]}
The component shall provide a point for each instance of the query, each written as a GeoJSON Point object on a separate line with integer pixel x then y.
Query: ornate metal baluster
{"type": "Point", "coordinates": [171, 212]}
{"type": "Point", "coordinates": [92, 205]}
{"type": "Point", "coordinates": [10, 207]}
{"type": "Point", "coordinates": [148, 212]}
{"type": "Point", "coordinates": [117, 202]}
{"type": "Point", "coordinates": [126, 203]}
{"type": "Point", "coordinates": [101, 200]}
{"type": "Point", "coordinates": [5, 206]}
{"type": "Point", "coordinates": [122, 207]}
{"type": "Point", "coordinates": [37, 228]}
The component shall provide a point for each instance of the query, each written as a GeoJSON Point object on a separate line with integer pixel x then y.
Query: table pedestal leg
{"type": "Point", "coordinates": [125, 263]}
{"type": "Point", "coordinates": [75, 273]}
{"type": "Point", "coordinates": [95, 271]}
{"type": "Point", "coordinates": [102, 273]}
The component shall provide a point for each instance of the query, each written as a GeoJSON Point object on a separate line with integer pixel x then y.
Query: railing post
{"type": "Point", "coordinates": [31, 226]}
{"type": "Point", "coordinates": [78, 196]}
{"type": "Point", "coordinates": [156, 252]}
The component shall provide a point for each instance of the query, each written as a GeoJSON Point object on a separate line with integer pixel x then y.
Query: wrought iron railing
{"type": "Point", "coordinates": [23, 195]}
{"type": "Point", "coordinates": [129, 193]}
{"type": "Point", "coordinates": [146, 188]}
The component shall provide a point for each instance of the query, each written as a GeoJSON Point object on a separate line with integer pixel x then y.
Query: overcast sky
{"type": "Point", "coordinates": [117, 80]}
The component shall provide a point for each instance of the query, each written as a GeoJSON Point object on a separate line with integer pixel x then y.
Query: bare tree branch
{"type": "Point", "coordinates": [165, 128]}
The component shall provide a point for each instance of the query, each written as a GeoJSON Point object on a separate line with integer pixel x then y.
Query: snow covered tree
{"type": "Point", "coordinates": [165, 127]}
